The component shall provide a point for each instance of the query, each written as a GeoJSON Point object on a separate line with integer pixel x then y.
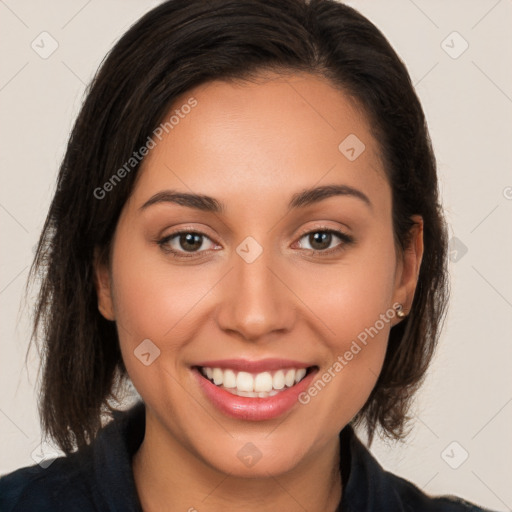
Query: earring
{"type": "Point", "coordinates": [399, 311]}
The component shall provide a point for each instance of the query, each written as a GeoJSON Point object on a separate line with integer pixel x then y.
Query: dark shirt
{"type": "Point", "coordinates": [100, 478]}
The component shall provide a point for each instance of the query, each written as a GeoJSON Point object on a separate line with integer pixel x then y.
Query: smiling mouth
{"type": "Point", "coordinates": [255, 385]}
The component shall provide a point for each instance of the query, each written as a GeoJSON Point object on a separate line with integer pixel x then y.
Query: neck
{"type": "Point", "coordinates": [170, 477]}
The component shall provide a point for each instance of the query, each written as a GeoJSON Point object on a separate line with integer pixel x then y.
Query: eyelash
{"type": "Point", "coordinates": [344, 237]}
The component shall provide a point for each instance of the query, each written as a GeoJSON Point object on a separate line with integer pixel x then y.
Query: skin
{"type": "Point", "coordinates": [252, 146]}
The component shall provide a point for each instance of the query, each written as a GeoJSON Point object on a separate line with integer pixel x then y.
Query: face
{"type": "Point", "coordinates": [264, 287]}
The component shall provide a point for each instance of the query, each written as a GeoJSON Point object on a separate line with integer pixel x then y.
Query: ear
{"type": "Point", "coordinates": [409, 266]}
{"type": "Point", "coordinates": [103, 285]}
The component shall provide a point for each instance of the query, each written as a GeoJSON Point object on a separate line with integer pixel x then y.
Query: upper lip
{"type": "Point", "coordinates": [250, 366]}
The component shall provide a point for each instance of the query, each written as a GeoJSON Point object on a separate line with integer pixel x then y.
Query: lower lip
{"type": "Point", "coordinates": [253, 409]}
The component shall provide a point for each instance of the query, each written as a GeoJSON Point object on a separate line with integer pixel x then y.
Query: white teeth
{"type": "Point", "coordinates": [263, 382]}
{"type": "Point", "coordinates": [299, 374]}
{"type": "Point", "coordinates": [249, 394]}
{"type": "Point", "coordinates": [278, 380]}
{"type": "Point", "coordinates": [244, 382]}
{"type": "Point", "coordinates": [261, 385]}
{"type": "Point", "coordinates": [253, 394]}
{"type": "Point", "coordinates": [218, 376]}
{"type": "Point", "coordinates": [289, 378]}
{"type": "Point", "coordinates": [229, 379]}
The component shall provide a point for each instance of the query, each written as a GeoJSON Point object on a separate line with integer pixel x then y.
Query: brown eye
{"type": "Point", "coordinates": [190, 241]}
{"type": "Point", "coordinates": [183, 242]}
{"type": "Point", "coordinates": [321, 240]}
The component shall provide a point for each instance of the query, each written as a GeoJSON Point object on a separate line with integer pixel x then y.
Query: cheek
{"type": "Point", "coordinates": [153, 300]}
{"type": "Point", "coordinates": [158, 300]}
{"type": "Point", "coordinates": [151, 295]}
{"type": "Point", "coordinates": [354, 305]}
{"type": "Point", "coordinates": [350, 297]}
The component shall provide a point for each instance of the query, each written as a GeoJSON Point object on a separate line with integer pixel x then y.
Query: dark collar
{"type": "Point", "coordinates": [100, 477]}
{"type": "Point", "coordinates": [366, 486]}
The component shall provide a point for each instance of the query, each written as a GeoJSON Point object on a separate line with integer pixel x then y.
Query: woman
{"type": "Point", "coordinates": [247, 227]}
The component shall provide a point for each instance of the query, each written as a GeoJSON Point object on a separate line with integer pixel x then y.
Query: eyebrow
{"type": "Point", "coordinates": [300, 199]}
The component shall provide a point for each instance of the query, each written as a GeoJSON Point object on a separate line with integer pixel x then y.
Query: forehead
{"type": "Point", "coordinates": [277, 133]}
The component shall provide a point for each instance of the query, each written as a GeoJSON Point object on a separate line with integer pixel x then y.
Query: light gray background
{"type": "Point", "coordinates": [467, 397]}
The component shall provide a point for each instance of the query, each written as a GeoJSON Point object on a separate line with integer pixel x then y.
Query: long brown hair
{"type": "Point", "coordinates": [174, 47]}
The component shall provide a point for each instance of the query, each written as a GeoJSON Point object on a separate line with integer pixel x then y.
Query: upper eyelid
{"type": "Point", "coordinates": [323, 228]}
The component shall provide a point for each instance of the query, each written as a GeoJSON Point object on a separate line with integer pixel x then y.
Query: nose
{"type": "Point", "coordinates": [255, 302]}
